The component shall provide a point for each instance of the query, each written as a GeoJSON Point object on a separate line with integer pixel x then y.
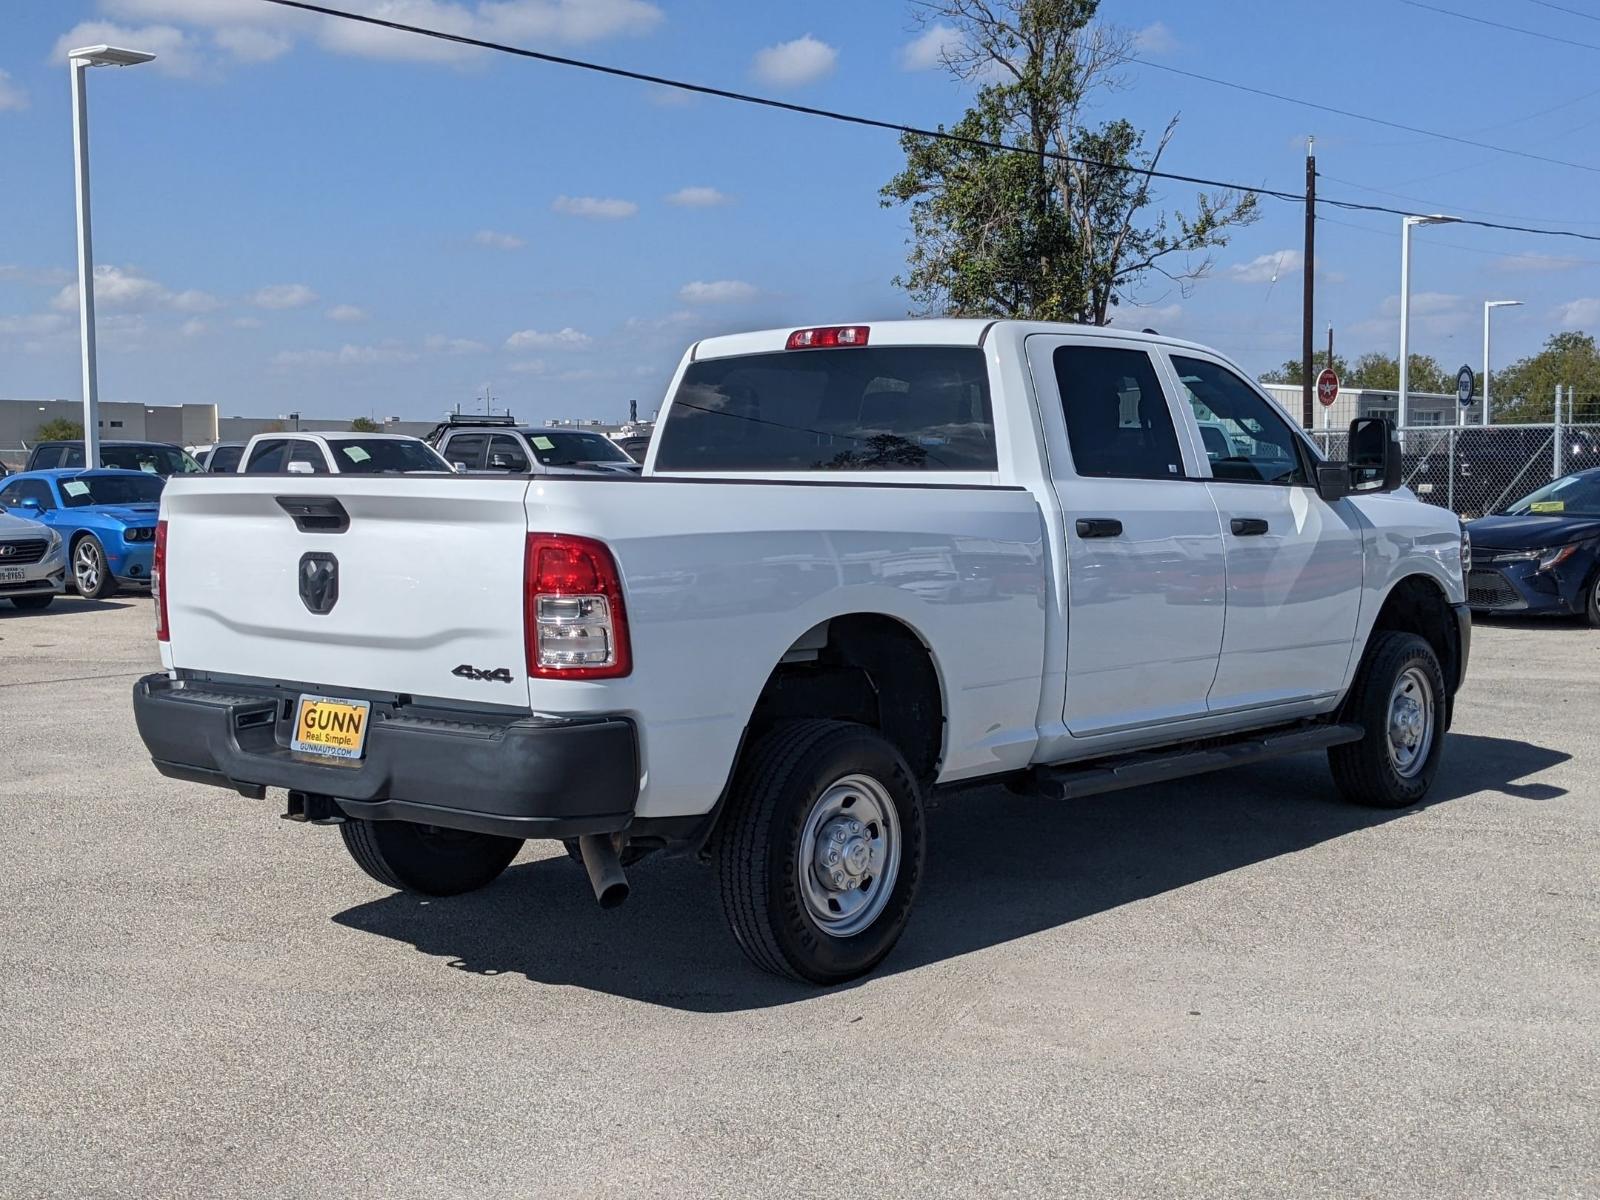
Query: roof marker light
{"type": "Point", "coordinates": [827, 336]}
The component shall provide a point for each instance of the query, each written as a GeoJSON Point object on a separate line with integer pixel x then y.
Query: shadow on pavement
{"type": "Point", "coordinates": [999, 867]}
{"type": "Point", "coordinates": [64, 604]}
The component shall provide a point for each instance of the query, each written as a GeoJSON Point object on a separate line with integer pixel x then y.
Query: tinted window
{"type": "Point", "coordinates": [1246, 438]}
{"type": "Point", "coordinates": [385, 456]}
{"type": "Point", "coordinates": [225, 459]}
{"type": "Point", "coordinates": [466, 449]}
{"type": "Point", "coordinates": [565, 448]}
{"type": "Point", "coordinates": [902, 408]}
{"type": "Point", "coordinates": [506, 453]}
{"type": "Point", "coordinates": [80, 491]}
{"type": "Point", "coordinates": [46, 456]}
{"type": "Point", "coordinates": [1569, 496]}
{"type": "Point", "coordinates": [18, 490]}
{"type": "Point", "coordinates": [152, 459]}
{"type": "Point", "coordinates": [1118, 423]}
{"type": "Point", "coordinates": [267, 457]}
{"type": "Point", "coordinates": [308, 457]}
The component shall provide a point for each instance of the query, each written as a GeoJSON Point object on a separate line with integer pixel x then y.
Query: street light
{"type": "Point", "coordinates": [1405, 305]}
{"type": "Point", "coordinates": [80, 61]}
{"type": "Point", "coordinates": [1488, 306]}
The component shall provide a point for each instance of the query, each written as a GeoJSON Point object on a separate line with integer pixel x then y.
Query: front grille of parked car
{"type": "Point", "coordinates": [1490, 589]}
{"type": "Point", "coordinates": [22, 552]}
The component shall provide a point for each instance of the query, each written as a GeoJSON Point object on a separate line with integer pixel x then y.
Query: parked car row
{"type": "Point", "coordinates": [102, 523]}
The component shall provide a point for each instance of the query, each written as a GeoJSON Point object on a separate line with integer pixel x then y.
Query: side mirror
{"type": "Point", "coordinates": [30, 502]}
{"type": "Point", "coordinates": [1374, 454]}
{"type": "Point", "coordinates": [1333, 481]}
{"type": "Point", "coordinates": [500, 462]}
{"type": "Point", "coordinates": [300, 468]}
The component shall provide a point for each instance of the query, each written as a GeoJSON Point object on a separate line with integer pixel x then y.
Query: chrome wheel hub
{"type": "Point", "coordinates": [1410, 722]}
{"type": "Point", "coordinates": [849, 855]}
{"type": "Point", "coordinates": [86, 567]}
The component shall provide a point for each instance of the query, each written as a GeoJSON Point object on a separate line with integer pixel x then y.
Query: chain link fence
{"type": "Point", "coordinates": [1476, 470]}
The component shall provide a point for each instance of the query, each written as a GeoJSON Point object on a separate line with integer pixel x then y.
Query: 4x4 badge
{"type": "Point", "coordinates": [483, 674]}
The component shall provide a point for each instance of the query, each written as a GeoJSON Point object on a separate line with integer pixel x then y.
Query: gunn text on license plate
{"type": "Point", "coordinates": [330, 727]}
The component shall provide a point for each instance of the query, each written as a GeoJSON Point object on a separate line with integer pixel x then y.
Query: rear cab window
{"type": "Point", "coordinates": [856, 409]}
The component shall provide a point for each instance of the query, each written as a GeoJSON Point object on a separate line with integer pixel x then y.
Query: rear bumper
{"type": "Point", "coordinates": [503, 773]}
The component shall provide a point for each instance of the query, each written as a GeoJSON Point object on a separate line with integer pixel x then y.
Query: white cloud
{"type": "Point", "coordinates": [346, 313]}
{"type": "Point", "coordinates": [247, 322]}
{"type": "Point", "coordinates": [1154, 39]}
{"type": "Point", "coordinates": [115, 289]}
{"type": "Point", "coordinates": [177, 53]}
{"type": "Point", "coordinates": [1423, 304]}
{"type": "Point", "coordinates": [346, 355]}
{"type": "Point", "coordinates": [252, 45]}
{"type": "Point", "coordinates": [530, 366]}
{"type": "Point", "coordinates": [42, 276]}
{"type": "Point", "coordinates": [193, 327]}
{"type": "Point", "coordinates": [439, 344]}
{"type": "Point", "coordinates": [1265, 267]}
{"type": "Point", "coordinates": [562, 339]}
{"type": "Point", "coordinates": [929, 48]}
{"type": "Point", "coordinates": [699, 197]}
{"type": "Point", "coordinates": [283, 295]}
{"type": "Point", "coordinates": [498, 241]}
{"type": "Point", "coordinates": [1517, 263]}
{"type": "Point", "coordinates": [1578, 314]}
{"type": "Point", "coordinates": [193, 300]}
{"type": "Point", "coordinates": [790, 64]}
{"type": "Point", "coordinates": [595, 207]}
{"type": "Point", "coordinates": [721, 291]}
{"type": "Point", "coordinates": [33, 324]}
{"type": "Point", "coordinates": [12, 95]}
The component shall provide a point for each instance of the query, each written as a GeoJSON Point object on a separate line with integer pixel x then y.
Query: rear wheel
{"type": "Point", "coordinates": [425, 858]}
{"type": "Point", "coordinates": [89, 573]}
{"type": "Point", "coordinates": [1591, 607]}
{"type": "Point", "coordinates": [1399, 698]}
{"type": "Point", "coordinates": [33, 603]}
{"type": "Point", "coordinates": [820, 854]}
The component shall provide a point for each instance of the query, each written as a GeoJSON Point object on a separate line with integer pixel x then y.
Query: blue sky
{"type": "Point", "coordinates": [293, 214]}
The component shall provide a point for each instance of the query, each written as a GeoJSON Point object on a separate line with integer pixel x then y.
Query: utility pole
{"type": "Point", "coordinates": [1307, 380]}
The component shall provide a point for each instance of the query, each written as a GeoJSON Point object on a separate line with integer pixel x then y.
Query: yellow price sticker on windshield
{"type": "Point", "coordinates": [1548, 506]}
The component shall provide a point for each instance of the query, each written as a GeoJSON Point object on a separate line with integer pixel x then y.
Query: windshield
{"type": "Point", "coordinates": [384, 456]}
{"type": "Point", "coordinates": [560, 448]}
{"type": "Point", "coordinates": [153, 460]}
{"type": "Point", "coordinates": [80, 491]}
{"type": "Point", "coordinates": [1570, 496]}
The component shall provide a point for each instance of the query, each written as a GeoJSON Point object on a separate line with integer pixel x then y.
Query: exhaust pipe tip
{"type": "Point", "coordinates": [605, 872]}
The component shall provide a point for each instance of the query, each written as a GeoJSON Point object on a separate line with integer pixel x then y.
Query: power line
{"type": "Point", "coordinates": [942, 134]}
{"type": "Point", "coordinates": [1356, 116]}
{"type": "Point", "coordinates": [1563, 8]}
{"type": "Point", "coordinates": [1461, 16]}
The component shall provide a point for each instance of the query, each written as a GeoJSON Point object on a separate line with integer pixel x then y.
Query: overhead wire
{"type": "Point", "coordinates": [1534, 33]}
{"type": "Point", "coordinates": [945, 135]}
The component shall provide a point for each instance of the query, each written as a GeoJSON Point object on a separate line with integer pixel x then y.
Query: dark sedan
{"type": "Point", "coordinates": [1542, 554]}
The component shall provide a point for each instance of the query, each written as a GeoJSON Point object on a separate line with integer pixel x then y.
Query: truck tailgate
{"type": "Point", "coordinates": [429, 579]}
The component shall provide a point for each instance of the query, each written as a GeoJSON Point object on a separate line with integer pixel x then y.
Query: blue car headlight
{"type": "Point", "coordinates": [1551, 559]}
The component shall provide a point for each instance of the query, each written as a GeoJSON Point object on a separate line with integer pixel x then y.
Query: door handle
{"type": "Point", "coordinates": [1098, 527]}
{"type": "Point", "coordinates": [1248, 526]}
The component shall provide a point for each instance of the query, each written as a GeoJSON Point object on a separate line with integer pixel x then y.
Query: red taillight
{"type": "Point", "coordinates": [828, 335]}
{"type": "Point", "coordinates": [574, 623]}
{"type": "Point", "coordinates": [158, 582]}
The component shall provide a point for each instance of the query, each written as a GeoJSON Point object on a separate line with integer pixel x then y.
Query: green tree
{"type": "Point", "coordinates": [1290, 371]}
{"type": "Point", "coordinates": [1381, 372]}
{"type": "Point", "coordinates": [1526, 390]}
{"type": "Point", "coordinates": [1065, 232]}
{"type": "Point", "coordinates": [59, 429]}
{"type": "Point", "coordinates": [365, 425]}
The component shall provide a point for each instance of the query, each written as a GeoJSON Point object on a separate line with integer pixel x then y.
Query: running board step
{"type": "Point", "coordinates": [1160, 766]}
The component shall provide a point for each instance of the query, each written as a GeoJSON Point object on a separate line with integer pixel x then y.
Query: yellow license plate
{"type": "Point", "coordinates": [331, 728]}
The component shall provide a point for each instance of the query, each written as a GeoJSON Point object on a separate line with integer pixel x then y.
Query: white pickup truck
{"type": "Point", "coordinates": [861, 563]}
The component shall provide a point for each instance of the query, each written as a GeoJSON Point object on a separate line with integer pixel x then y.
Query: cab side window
{"type": "Point", "coordinates": [1118, 423]}
{"type": "Point", "coordinates": [465, 450]}
{"type": "Point", "coordinates": [1246, 438]}
{"type": "Point", "coordinates": [507, 454]}
{"type": "Point", "coordinates": [308, 457]}
{"type": "Point", "coordinates": [267, 458]}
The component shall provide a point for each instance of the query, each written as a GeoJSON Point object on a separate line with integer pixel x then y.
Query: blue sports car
{"type": "Point", "coordinates": [1542, 554]}
{"type": "Point", "coordinates": [107, 518]}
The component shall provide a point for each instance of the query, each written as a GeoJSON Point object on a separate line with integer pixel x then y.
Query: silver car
{"type": "Point", "coordinates": [33, 564]}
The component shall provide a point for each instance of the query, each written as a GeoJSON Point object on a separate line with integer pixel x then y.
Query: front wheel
{"type": "Point", "coordinates": [820, 854]}
{"type": "Point", "coordinates": [89, 573]}
{"type": "Point", "coordinates": [1399, 699]}
{"type": "Point", "coordinates": [425, 858]}
{"type": "Point", "coordinates": [1591, 606]}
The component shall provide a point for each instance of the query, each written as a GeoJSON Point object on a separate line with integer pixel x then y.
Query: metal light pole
{"type": "Point", "coordinates": [80, 61]}
{"type": "Point", "coordinates": [1489, 306]}
{"type": "Point", "coordinates": [1405, 306]}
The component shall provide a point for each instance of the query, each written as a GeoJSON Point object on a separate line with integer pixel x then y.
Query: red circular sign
{"type": "Point", "coordinates": [1327, 386]}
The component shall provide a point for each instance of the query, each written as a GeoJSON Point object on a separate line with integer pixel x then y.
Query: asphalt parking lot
{"type": "Point", "coordinates": [1230, 987]}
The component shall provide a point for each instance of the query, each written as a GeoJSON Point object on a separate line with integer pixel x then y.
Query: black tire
{"type": "Point", "coordinates": [33, 603]}
{"type": "Point", "coordinates": [89, 564]}
{"type": "Point", "coordinates": [1591, 605]}
{"type": "Point", "coordinates": [1366, 771]}
{"type": "Point", "coordinates": [426, 859]}
{"type": "Point", "coordinates": [780, 781]}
